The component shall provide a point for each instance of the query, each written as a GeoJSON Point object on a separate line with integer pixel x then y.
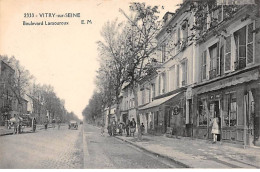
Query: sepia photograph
{"type": "Point", "coordinates": [129, 84]}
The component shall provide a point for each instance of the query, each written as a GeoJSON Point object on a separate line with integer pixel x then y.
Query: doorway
{"type": "Point", "coordinates": [214, 112]}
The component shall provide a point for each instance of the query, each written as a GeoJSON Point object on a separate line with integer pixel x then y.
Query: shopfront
{"type": "Point", "coordinates": [165, 112]}
{"type": "Point", "coordinates": [234, 101]}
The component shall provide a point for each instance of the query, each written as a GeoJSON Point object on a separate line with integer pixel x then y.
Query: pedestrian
{"type": "Point", "coordinates": [102, 129]}
{"type": "Point", "coordinates": [142, 128]}
{"type": "Point", "coordinates": [46, 124]}
{"type": "Point", "coordinates": [132, 127]}
{"type": "Point", "coordinates": [109, 129]}
{"type": "Point", "coordinates": [53, 123]}
{"type": "Point", "coordinates": [59, 122]}
{"type": "Point", "coordinates": [127, 127]}
{"type": "Point", "coordinates": [215, 128]}
{"type": "Point", "coordinates": [15, 124]}
{"type": "Point", "coordinates": [114, 127]}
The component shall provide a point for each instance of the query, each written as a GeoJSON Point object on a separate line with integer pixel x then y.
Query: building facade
{"type": "Point", "coordinates": [128, 110]}
{"type": "Point", "coordinates": [171, 107]}
{"type": "Point", "coordinates": [228, 77]}
{"type": "Point", "coordinates": [7, 102]}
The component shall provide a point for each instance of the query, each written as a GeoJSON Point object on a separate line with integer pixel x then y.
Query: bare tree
{"type": "Point", "coordinates": [111, 75]}
{"type": "Point", "coordinates": [141, 46]}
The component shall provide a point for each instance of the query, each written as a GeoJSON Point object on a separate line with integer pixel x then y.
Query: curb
{"type": "Point", "coordinates": [5, 134]}
{"type": "Point", "coordinates": [156, 154]}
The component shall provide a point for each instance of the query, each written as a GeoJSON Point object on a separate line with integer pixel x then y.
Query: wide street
{"type": "Point", "coordinates": [45, 149]}
{"type": "Point", "coordinates": [59, 149]}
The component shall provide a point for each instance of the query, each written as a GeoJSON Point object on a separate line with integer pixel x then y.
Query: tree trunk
{"type": "Point", "coordinates": [118, 111]}
{"type": "Point", "coordinates": [135, 89]}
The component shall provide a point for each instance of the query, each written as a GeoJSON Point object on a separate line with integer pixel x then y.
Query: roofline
{"type": "Point", "coordinates": [176, 14]}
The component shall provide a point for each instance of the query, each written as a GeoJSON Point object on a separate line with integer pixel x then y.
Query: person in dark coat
{"type": "Point", "coordinates": [127, 127]}
{"type": "Point", "coordinates": [142, 128]}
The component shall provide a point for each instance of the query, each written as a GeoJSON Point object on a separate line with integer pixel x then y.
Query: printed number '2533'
{"type": "Point", "coordinates": [28, 15]}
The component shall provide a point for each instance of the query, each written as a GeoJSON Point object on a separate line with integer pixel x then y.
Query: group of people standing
{"type": "Point", "coordinates": [46, 122]}
{"type": "Point", "coordinates": [129, 128]}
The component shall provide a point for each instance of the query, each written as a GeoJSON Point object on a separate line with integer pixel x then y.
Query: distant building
{"type": "Point", "coordinates": [7, 101]}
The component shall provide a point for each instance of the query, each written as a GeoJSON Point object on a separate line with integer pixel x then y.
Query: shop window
{"type": "Point", "coordinates": [230, 117]}
{"type": "Point", "coordinates": [202, 113]}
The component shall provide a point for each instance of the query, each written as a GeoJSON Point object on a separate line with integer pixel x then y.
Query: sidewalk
{"type": "Point", "coordinates": [4, 131]}
{"type": "Point", "coordinates": [198, 153]}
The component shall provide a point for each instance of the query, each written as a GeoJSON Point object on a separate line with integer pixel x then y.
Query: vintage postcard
{"type": "Point", "coordinates": [112, 84]}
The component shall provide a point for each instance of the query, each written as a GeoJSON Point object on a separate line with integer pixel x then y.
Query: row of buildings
{"type": "Point", "coordinates": [9, 104]}
{"type": "Point", "coordinates": [215, 75]}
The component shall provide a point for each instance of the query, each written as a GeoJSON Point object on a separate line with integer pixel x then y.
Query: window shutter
{"type": "Point", "coordinates": [204, 66]}
{"type": "Point", "coordinates": [221, 66]}
{"type": "Point", "coordinates": [159, 84]}
{"type": "Point", "coordinates": [178, 75]}
{"type": "Point", "coordinates": [218, 59]}
{"type": "Point", "coordinates": [250, 56]}
{"type": "Point", "coordinates": [178, 38]}
{"type": "Point", "coordinates": [228, 54]}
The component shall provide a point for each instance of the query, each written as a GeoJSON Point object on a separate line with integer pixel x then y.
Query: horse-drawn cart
{"type": "Point", "coordinates": [23, 121]}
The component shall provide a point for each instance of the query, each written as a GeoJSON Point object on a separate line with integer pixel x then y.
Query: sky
{"type": "Point", "coordinates": [64, 56]}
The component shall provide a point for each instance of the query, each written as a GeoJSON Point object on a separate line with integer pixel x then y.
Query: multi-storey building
{"type": "Point", "coordinates": [228, 84]}
{"type": "Point", "coordinates": [6, 96]}
{"type": "Point", "coordinates": [128, 110]}
{"type": "Point", "coordinates": [170, 108]}
{"type": "Point", "coordinates": [146, 94]}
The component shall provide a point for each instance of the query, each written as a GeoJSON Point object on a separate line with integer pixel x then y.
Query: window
{"type": "Point", "coordinates": [216, 15]}
{"type": "Point", "coordinates": [204, 65]}
{"type": "Point", "coordinates": [230, 117]}
{"type": "Point", "coordinates": [148, 90]}
{"type": "Point", "coordinates": [162, 83]}
{"type": "Point", "coordinates": [153, 91]}
{"type": "Point", "coordinates": [244, 46]}
{"type": "Point", "coordinates": [228, 54]}
{"type": "Point", "coordinates": [143, 96]}
{"type": "Point", "coordinates": [173, 43]}
{"type": "Point", "coordinates": [133, 102]}
{"type": "Point", "coordinates": [250, 44]}
{"type": "Point", "coordinates": [184, 72]}
{"type": "Point", "coordinates": [214, 61]}
{"type": "Point", "coordinates": [240, 53]}
{"type": "Point", "coordinates": [202, 116]}
{"type": "Point", "coordinates": [171, 78]}
{"type": "Point", "coordinates": [163, 52]}
{"type": "Point", "coordinates": [184, 30]}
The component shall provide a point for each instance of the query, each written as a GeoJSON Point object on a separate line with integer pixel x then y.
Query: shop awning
{"type": "Point", "coordinates": [158, 102]}
{"type": "Point", "coordinates": [228, 83]}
